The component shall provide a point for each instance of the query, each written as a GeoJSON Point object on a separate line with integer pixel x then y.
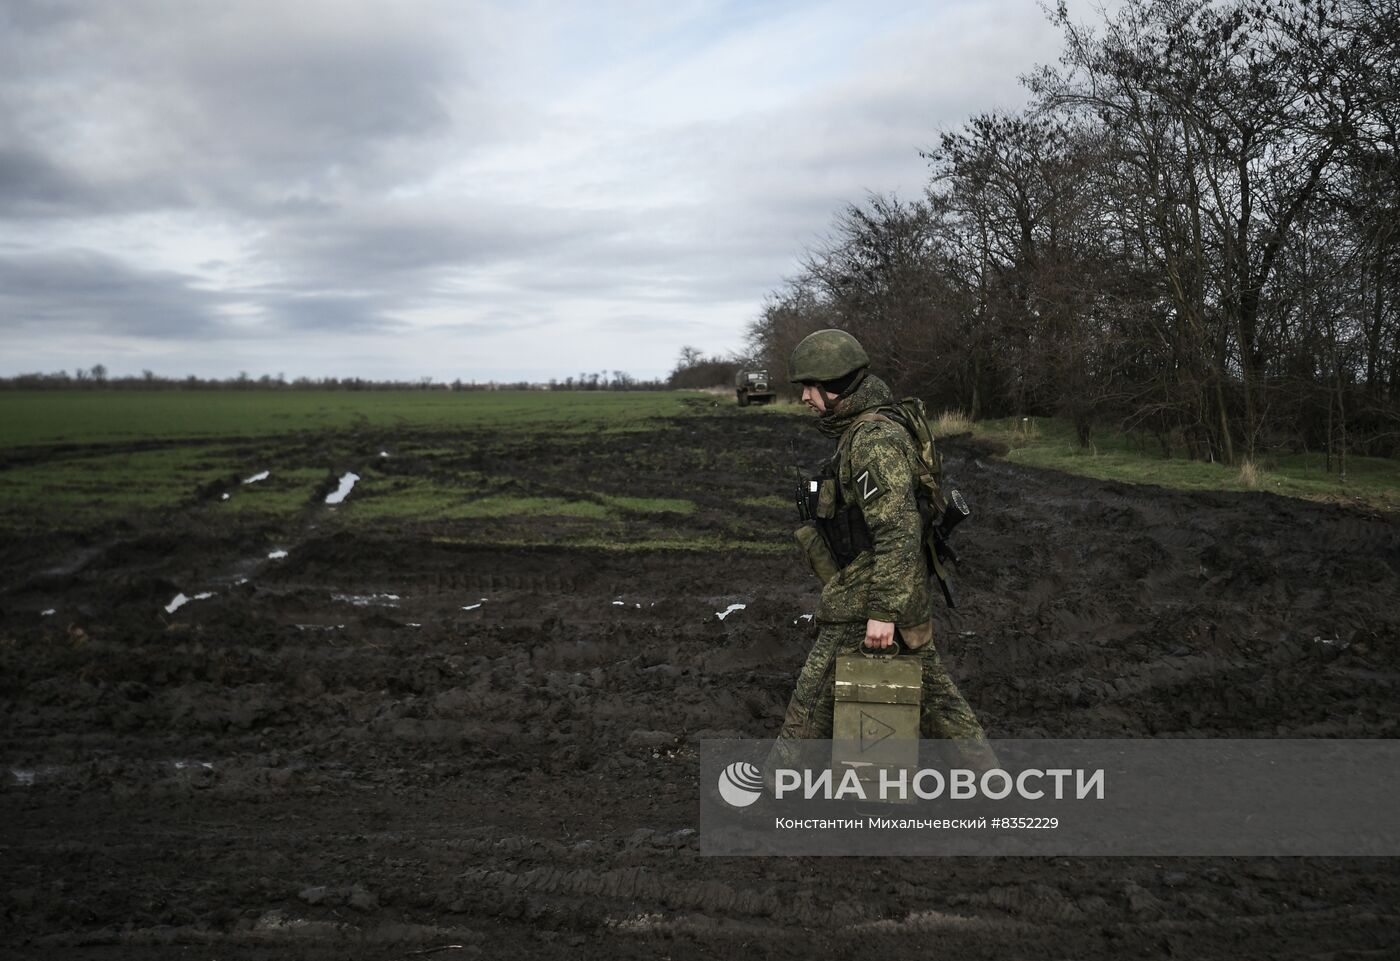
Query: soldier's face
{"type": "Point", "coordinates": [814, 397]}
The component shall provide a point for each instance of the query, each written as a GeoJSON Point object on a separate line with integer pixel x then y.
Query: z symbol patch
{"type": "Point", "coordinates": [868, 487]}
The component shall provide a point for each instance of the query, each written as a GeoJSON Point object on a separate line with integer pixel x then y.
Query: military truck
{"type": "Point", "coordinates": [751, 386]}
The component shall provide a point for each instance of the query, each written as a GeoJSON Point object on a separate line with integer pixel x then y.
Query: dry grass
{"type": "Point", "coordinates": [1251, 475]}
{"type": "Point", "coordinates": [951, 423]}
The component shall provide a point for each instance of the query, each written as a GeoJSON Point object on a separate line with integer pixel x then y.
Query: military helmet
{"type": "Point", "coordinates": [826, 355]}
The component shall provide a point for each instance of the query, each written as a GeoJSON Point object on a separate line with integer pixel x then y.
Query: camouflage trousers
{"type": "Point", "coordinates": [943, 713]}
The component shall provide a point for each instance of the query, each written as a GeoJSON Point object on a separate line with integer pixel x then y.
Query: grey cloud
{"type": "Point", "coordinates": [86, 291]}
{"type": "Point", "coordinates": [283, 114]}
{"type": "Point", "coordinates": [338, 312]}
{"type": "Point", "coordinates": [33, 186]}
{"type": "Point", "coordinates": [335, 140]}
{"type": "Point", "coordinates": [385, 241]}
{"type": "Point", "coordinates": [83, 290]}
{"type": "Point", "coordinates": [243, 105]}
{"type": "Point", "coordinates": [29, 16]}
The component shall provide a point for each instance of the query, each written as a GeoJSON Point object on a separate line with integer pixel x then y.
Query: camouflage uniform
{"type": "Point", "coordinates": [876, 467]}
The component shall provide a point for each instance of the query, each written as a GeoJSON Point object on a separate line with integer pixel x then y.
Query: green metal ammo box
{"type": "Point", "coordinates": [876, 719]}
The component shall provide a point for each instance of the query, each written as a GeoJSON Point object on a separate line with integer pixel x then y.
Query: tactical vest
{"type": "Point", "coordinates": [835, 533]}
{"type": "Point", "coordinates": [841, 525]}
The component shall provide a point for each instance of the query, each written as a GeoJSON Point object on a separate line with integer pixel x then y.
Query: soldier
{"type": "Point", "coordinates": [882, 598]}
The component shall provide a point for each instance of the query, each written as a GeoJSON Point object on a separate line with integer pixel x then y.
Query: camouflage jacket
{"type": "Point", "coordinates": [876, 467]}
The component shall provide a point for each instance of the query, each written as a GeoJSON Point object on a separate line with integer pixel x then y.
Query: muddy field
{"type": "Point", "coordinates": [397, 738]}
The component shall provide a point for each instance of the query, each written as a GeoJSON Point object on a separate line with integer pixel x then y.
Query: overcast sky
{"type": "Point", "coordinates": [440, 188]}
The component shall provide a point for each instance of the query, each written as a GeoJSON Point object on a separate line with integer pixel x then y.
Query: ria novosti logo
{"type": "Point", "coordinates": [740, 784]}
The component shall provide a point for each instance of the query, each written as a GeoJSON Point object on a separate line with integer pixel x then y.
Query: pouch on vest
{"type": "Point", "coordinates": [828, 495]}
{"type": "Point", "coordinates": [840, 527]}
{"type": "Point", "coordinates": [819, 556]}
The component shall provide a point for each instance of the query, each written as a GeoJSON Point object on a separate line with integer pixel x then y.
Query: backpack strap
{"type": "Point", "coordinates": [869, 417]}
{"type": "Point", "coordinates": [928, 476]}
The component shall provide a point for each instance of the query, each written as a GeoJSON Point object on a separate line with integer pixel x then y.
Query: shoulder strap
{"type": "Point", "coordinates": [844, 444]}
{"type": "Point", "coordinates": [921, 439]}
{"type": "Point", "coordinates": [868, 417]}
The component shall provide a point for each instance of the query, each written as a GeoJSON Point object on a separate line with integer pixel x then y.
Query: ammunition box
{"type": "Point", "coordinates": [876, 719]}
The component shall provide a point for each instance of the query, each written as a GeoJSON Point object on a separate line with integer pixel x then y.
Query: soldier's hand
{"type": "Point", "coordinates": [879, 635]}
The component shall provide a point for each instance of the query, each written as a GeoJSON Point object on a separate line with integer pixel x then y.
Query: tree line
{"type": "Point", "coordinates": [1191, 230]}
{"type": "Point", "coordinates": [96, 378]}
{"type": "Point", "coordinates": [694, 370]}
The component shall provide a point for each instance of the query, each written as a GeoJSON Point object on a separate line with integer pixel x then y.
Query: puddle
{"type": "Point", "coordinates": [260, 476]}
{"type": "Point", "coordinates": [49, 613]}
{"type": "Point", "coordinates": [803, 617]}
{"type": "Point", "coordinates": [366, 600]}
{"type": "Point", "coordinates": [223, 497]}
{"type": "Point", "coordinates": [180, 600]}
{"type": "Point", "coordinates": [183, 765]}
{"type": "Point", "coordinates": [347, 483]}
{"type": "Point", "coordinates": [276, 555]}
{"type": "Point", "coordinates": [319, 627]}
{"type": "Point", "coordinates": [23, 778]}
{"type": "Point", "coordinates": [384, 453]}
{"type": "Point", "coordinates": [729, 610]}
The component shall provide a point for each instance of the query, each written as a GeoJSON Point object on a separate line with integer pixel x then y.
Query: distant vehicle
{"type": "Point", "coordinates": [751, 386]}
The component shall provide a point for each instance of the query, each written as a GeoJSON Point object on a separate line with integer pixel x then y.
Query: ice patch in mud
{"type": "Point", "coordinates": [645, 923]}
{"type": "Point", "coordinates": [29, 776]}
{"type": "Point", "coordinates": [472, 607]}
{"type": "Point", "coordinates": [366, 600]}
{"type": "Point", "coordinates": [276, 555]}
{"type": "Point", "coordinates": [260, 476]}
{"type": "Point", "coordinates": [180, 600]}
{"type": "Point", "coordinates": [183, 765]}
{"type": "Point", "coordinates": [384, 453]}
{"type": "Point", "coordinates": [223, 497]}
{"type": "Point", "coordinates": [347, 483]}
{"type": "Point", "coordinates": [729, 610]}
{"type": "Point", "coordinates": [49, 613]}
{"type": "Point", "coordinates": [319, 627]}
{"type": "Point", "coordinates": [803, 617]}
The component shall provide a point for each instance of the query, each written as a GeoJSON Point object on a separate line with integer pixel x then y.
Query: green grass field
{"type": "Point", "coordinates": [509, 467]}
{"type": "Point", "coordinates": [75, 459]}
{"type": "Point", "coordinates": [105, 417]}
{"type": "Point", "coordinates": [1049, 442]}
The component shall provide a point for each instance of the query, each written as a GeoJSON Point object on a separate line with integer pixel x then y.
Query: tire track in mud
{"type": "Point", "coordinates": [520, 777]}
